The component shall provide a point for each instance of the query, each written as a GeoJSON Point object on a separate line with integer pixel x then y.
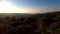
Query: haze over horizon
{"type": "Point", "coordinates": [29, 6]}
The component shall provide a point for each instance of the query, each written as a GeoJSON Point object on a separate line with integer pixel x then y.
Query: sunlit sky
{"type": "Point", "coordinates": [29, 6]}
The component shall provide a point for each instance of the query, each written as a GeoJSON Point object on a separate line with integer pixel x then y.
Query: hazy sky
{"type": "Point", "coordinates": [30, 6]}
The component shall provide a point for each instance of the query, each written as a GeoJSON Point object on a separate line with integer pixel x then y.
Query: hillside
{"type": "Point", "coordinates": [46, 23]}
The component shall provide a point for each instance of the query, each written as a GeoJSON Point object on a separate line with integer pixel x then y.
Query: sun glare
{"type": "Point", "coordinates": [7, 7]}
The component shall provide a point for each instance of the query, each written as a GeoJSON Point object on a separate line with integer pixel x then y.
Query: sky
{"type": "Point", "coordinates": [29, 6]}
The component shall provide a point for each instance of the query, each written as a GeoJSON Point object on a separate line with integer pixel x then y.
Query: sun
{"type": "Point", "coordinates": [7, 7]}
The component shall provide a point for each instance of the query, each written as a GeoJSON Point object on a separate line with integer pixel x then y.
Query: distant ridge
{"type": "Point", "coordinates": [56, 13]}
{"type": "Point", "coordinates": [30, 15]}
{"type": "Point", "coordinates": [14, 15]}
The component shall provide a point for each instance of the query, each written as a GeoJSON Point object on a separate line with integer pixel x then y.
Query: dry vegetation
{"type": "Point", "coordinates": [44, 25]}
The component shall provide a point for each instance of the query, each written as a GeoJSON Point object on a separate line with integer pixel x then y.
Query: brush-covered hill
{"type": "Point", "coordinates": [45, 23]}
